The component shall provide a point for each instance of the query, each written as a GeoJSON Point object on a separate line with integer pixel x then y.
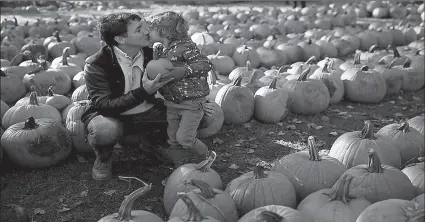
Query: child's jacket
{"type": "Point", "coordinates": [194, 84]}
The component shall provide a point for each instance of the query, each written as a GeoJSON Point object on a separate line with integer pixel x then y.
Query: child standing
{"type": "Point", "coordinates": [186, 94]}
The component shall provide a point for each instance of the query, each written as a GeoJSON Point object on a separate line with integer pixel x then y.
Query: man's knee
{"type": "Point", "coordinates": [185, 140]}
{"type": "Point", "coordinates": [103, 131]}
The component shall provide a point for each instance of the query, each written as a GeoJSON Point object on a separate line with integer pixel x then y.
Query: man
{"type": "Point", "coordinates": [122, 98]}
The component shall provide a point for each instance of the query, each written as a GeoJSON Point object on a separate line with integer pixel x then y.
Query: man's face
{"type": "Point", "coordinates": [137, 34]}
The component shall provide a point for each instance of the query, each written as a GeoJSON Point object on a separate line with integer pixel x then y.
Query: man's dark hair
{"type": "Point", "coordinates": [113, 25]}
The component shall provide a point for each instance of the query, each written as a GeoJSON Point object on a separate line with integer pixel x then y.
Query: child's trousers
{"type": "Point", "coordinates": [183, 122]}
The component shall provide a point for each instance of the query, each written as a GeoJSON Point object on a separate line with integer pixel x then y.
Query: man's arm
{"type": "Point", "coordinates": [101, 95]}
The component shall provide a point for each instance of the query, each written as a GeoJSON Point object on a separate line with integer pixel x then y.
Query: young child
{"type": "Point", "coordinates": [186, 95]}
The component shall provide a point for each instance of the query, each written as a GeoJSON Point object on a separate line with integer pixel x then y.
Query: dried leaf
{"type": "Point", "coordinates": [241, 140]}
{"type": "Point", "coordinates": [271, 133]}
{"type": "Point", "coordinates": [237, 145]}
{"type": "Point", "coordinates": [233, 166]}
{"type": "Point", "coordinates": [247, 125]}
{"type": "Point", "coordinates": [226, 155]}
{"type": "Point", "coordinates": [333, 133]}
{"type": "Point", "coordinates": [84, 193]}
{"type": "Point", "coordinates": [218, 140]}
{"type": "Point", "coordinates": [253, 146]}
{"type": "Point", "coordinates": [398, 114]}
{"type": "Point", "coordinates": [64, 209]}
{"type": "Point", "coordinates": [252, 138]}
{"type": "Point", "coordinates": [280, 124]}
{"type": "Point", "coordinates": [291, 127]}
{"type": "Point", "coordinates": [350, 107]}
{"type": "Point", "coordinates": [109, 192]}
{"type": "Point", "coordinates": [392, 102]}
{"type": "Point", "coordinates": [250, 151]}
{"type": "Point", "coordinates": [314, 126]}
{"type": "Point", "coordinates": [39, 211]}
{"type": "Point", "coordinates": [281, 133]}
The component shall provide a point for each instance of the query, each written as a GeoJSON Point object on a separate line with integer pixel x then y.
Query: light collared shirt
{"type": "Point", "coordinates": [133, 71]}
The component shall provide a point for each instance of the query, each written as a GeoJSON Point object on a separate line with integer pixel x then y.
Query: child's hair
{"type": "Point", "coordinates": [170, 25]}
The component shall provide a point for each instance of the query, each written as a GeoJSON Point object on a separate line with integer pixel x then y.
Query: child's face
{"type": "Point", "coordinates": [154, 36]}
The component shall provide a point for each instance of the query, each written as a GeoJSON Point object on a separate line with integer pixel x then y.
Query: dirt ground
{"type": "Point", "coordinates": [67, 192]}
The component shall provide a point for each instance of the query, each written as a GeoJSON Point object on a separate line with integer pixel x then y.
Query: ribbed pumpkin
{"type": "Point", "coordinates": [49, 77]}
{"type": "Point", "coordinates": [79, 79]}
{"type": "Point", "coordinates": [3, 108]}
{"type": "Point", "coordinates": [371, 55]}
{"type": "Point", "coordinates": [76, 127]}
{"type": "Point", "coordinates": [307, 96]}
{"type": "Point", "coordinates": [417, 123]}
{"type": "Point", "coordinates": [396, 57]}
{"type": "Point", "coordinates": [80, 93]}
{"type": "Point", "coordinates": [205, 42]}
{"type": "Point", "coordinates": [193, 215]}
{"type": "Point", "coordinates": [416, 173]}
{"type": "Point", "coordinates": [223, 64]}
{"type": "Point", "coordinates": [413, 78]}
{"type": "Point", "coordinates": [308, 171]}
{"type": "Point", "coordinates": [248, 74]}
{"type": "Point", "coordinates": [331, 78]}
{"type": "Point", "coordinates": [69, 68]}
{"type": "Point", "coordinates": [364, 85]}
{"type": "Point", "coordinates": [393, 78]}
{"type": "Point", "coordinates": [55, 48]}
{"type": "Point", "coordinates": [176, 181]}
{"type": "Point", "coordinates": [310, 49]}
{"type": "Point", "coordinates": [260, 188]}
{"type": "Point", "coordinates": [407, 140]}
{"type": "Point", "coordinates": [36, 143]}
{"type": "Point", "coordinates": [18, 114]}
{"type": "Point", "coordinates": [280, 75]}
{"type": "Point", "coordinates": [270, 103]}
{"type": "Point", "coordinates": [327, 49]}
{"type": "Point", "coordinates": [376, 182]}
{"type": "Point", "coordinates": [236, 101]}
{"type": "Point", "coordinates": [310, 63]}
{"type": "Point", "coordinates": [56, 100]}
{"type": "Point", "coordinates": [420, 200]}
{"type": "Point", "coordinates": [269, 57]}
{"type": "Point", "coordinates": [292, 52]}
{"type": "Point", "coordinates": [126, 212]}
{"type": "Point", "coordinates": [352, 148]}
{"type": "Point", "coordinates": [335, 204]}
{"type": "Point", "coordinates": [355, 63]}
{"type": "Point", "coordinates": [274, 213]}
{"type": "Point", "coordinates": [12, 88]}
{"type": "Point", "coordinates": [244, 54]}
{"type": "Point", "coordinates": [211, 125]}
{"type": "Point", "coordinates": [392, 210]}
{"type": "Point", "coordinates": [210, 202]}
{"type": "Point", "coordinates": [213, 84]}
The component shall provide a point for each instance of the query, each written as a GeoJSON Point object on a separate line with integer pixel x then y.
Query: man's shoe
{"type": "Point", "coordinates": [102, 171]}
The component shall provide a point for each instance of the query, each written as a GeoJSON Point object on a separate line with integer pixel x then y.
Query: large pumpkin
{"type": "Point", "coordinates": [223, 64]}
{"type": "Point", "coordinates": [3, 108]}
{"type": "Point", "coordinates": [211, 125]}
{"type": "Point", "coordinates": [305, 170]}
{"type": "Point", "coordinates": [413, 78]}
{"type": "Point", "coordinates": [210, 202]}
{"type": "Point", "coordinates": [193, 212]}
{"type": "Point", "coordinates": [56, 100]}
{"type": "Point", "coordinates": [176, 181]}
{"type": "Point", "coordinates": [44, 77]}
{"type": "Point", "coordinates": [76, 127]}
{"type": "Point", "coordinates": [236, 101]}
{"type": "Point", "coordinates": [307, 96]}
{"type": "Point", "coordinates": [37, 143]}
{"type": "Point", "coordinates": [331, 78]}
{"type": "Point", "coordinates": [260, 188]}
{"type": "Point", "coordinates": [248, 74]}
{"type": "Point", "coordinates": [271, 103]}
{"type": "Point", "coordinates": [335, 204]}
{"type": "Point", "coordinates": [12, 88]}
{"type": "Point", "coordinates": [393, 78]}
{"type": "Point", "coordinates": [415, 173]}
{"type": "Point", "coordinates": [376, 182]}
{"type": "Point", "coordinates": [69, 68]}
{"type": "Point", "coordinates": [408, 141]}
{"type": "Point", "coordinates": [352, 148]}
{"type": "Point", "coordinates": [80, 93]}
{"type": "Point", "coordinates": [274, 213]}
{"type": "Point", "coordinates": [417, 123]}
{"type": "Point", "coordinates": [392, 210]}
{"type": "Point", "coordinates": [18, 114]}
{"type": "Point", "coordinates": [244, 54]}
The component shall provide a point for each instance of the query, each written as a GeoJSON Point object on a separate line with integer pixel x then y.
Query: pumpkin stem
{"type": "Point", "coordinates": [364, 68]}
{"type": "Point", "coordinates": [367, 131]}
{"type": "Point", "coordinates": [303, 76]}
{"type": "Point", "coordinates": [325, 68]}
{"type": "Point", "coordinates": [312, 149]}
{"type": "Point", "coordinates": [17, 59]}
{"type": "Point", "coordinates": [374, 164]}
{"type": "Point", "coordinates": [37, 88]}
{"type": "Point", "coordinates": [206, 190]}
{"type": "Point", "coordinates": [237, 81]}
{"type": "Point", "coordinates": [407, 63]}
{"type": "Point", "coordinates": [309, 41]}
{"type": "Point", "coordinates": [33, 99]}
{"type": "Point", "coordinates": [50, 91]}
{"type": "Point", "coordinates": [268, 216]}
{"type": "Point", "coordinates": [30, 123]}
{"type": "Point", "coordinates": [357, 59]}
{"type": "Point", "coordinates": [404, 126]}
{"type": "Point", "coordinates": [205, 165]}
{"type": "Point", "coordinates": [124, 213]}
{"type": "Point", "coordinates": [15, 20]}
{"type": "Point", "coordinates": [30, 56]}
{"type": "Point", "coordinates": [56, 34]}
{"type": "Point", "coordinates": [194, 213]}
{"type": "Point", "coordinates": [416, 214]}
{"type": "Point", "coordinates": [372, 48]}
{"type": "Point", "coordinates": [340, 190]}
{"type": "Point", "coordinates": [248, 65]}
{"type": "Point", "coordinates": [390, 64]}
{"type": "Point", "coordinates": [65, 54]}
{"type": "Point", "coordinates": [259, 172]}
{"type": "Point", "coordinates": [2, 73]}
{"type": "Point", "coordinates": [312, 60]}
{"type": "Point", "coordinates": [396, 53]}
{"type": "Point", "coordinates": [272, 84]}
{"type": "Point", "coordinates": [283, 69]}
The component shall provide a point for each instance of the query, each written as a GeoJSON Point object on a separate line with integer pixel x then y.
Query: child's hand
{"type": "Point", "coordinates": [176, 72]}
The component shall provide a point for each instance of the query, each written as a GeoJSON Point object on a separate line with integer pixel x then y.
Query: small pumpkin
{"type": "Point", "coordinates": [201, 171]}
{"type": "Point", "coordinates": [211, 125]}
{"type": "Point", "coordinates": [396, 58]}
{"type": "Point", "coordinates": [416, 173]}
{"type": "Point", "coordinates": [44, 77]}
{"type": "Point", "coordinates": [331, 78]}
{"type": "Point", "coordinates": [194, 215]}
{"type": "Point", "coordinates": [274, 213]}
{"type": "Point", "coordinates": [310, 49]}
{"type": "Point", "coordinates": [78, 79]}
{"type": "Point", "coordinates": [356, 63]}
{"type": "Point", "coordinates": [244, 54]}
{"type": "Point", "coordinates": [36, 143]}
{"type": "Point", "coordinates": [393, 78]}
{"type": "Point", "coordinates": [413, 78]}
{"type": "Point", "coordinates": [352, 148]}
{"type": "Point", "coordinates": [260, 188]}
{"type": "Point", "coordinates": [12, 88]}
{"type": "Point", "coordinates": [376, 182]}
{"type": "Point", "coordinates": [223, 64]}
{"type": "Point", "coordinates": [3, 108]}
{"type": "Point", "coordinates": [69, 68]}
{"type": "Point", "coordinates": [80, 93]}
{"type": "Point", "coordinates": [126, 212]}
{"type": "Point", "coordinates": [392, 210]}
{"type": "Point", "coordinates": [280, 75]}
{"type": "Point", "coordinates": [56, 100]}
{"type": "Point", "coordinates": [417, 123]}
{"type": "Point", "coordinates": [55, 48]}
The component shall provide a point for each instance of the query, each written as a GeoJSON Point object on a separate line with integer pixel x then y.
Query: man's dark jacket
{"type": "Point", "coordinates": [105, 84]}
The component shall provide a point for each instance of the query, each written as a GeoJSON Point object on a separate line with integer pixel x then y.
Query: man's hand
{"type": "Point", "coordinates": [151, 86]}
{"type": "Point", "coordinates": [208, 108]}
{"type": "Point", "coordinates": [175, 72]}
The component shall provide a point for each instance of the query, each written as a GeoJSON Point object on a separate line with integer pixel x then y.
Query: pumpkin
{"type": "Point", "coordinates": [367, 39]}
{"type": "Point", "coordinates": [371, 55]}
{"type": "Point", "coordinates": [214, 85]}
{"type": "Point", "coordinates": [194, 215]}
{"type": "Point", "coordinates": [58, 79]}
{"type": "Point", "coordinates": [12, 88]}
{"type": "Point", "coordinates": [223, 64]}
{"type": "Point", "coordinates": [80, 93]}
{"type": "Point", "coordinates": [79, 79]}
{"type": "Point", "coordinates": [36, 50]}
{"type": "Point", "coordinates": [36, 143]}
{"type": "Point", "coordinates": [417, 123]}
{"type": "Point", "coordinates": [236, 101]}
{"type": "Point", "coordinates": [88, 44]}
{"type": "Point", "coordinates": [154, 67]}
{"type": "Point", "coordinates": [415, 172]}
{"type": "Point", "coordinates": [201, 171]}
{"type": "Point", "coordinates": [327, 49]}
{"type": "Point", "coordinates": [69, 68]}
{"type": "Point", "coordinates": [280, 75]}
{"type": "Point", "coordinates": [393, 78]}
{"type": "Point", "coordinates": [18, 114]}
{"type": "Point", "coordinates": [413, 78]}
{"type": "Point", "coordinates": [211, 125]}
{"type": "Point", "coordinates": [126, 212]}
{"type": "Point", "coordinates": [331, 78]}
{"type": "Point", "coordinates": [335, 204]}
{"type": "Point", "coordinates": [305, 170]}
{"type": "Point", "coordinates": [364, 85]}
{"type": "Point", "coordinates": [56, 100]}
{"type": "Point", "coordinates": [343, 46]}
{"type": "Point", "coordinates": [3, 108]}
{"type": "Point", "coordinates": [270, 103]}
{"type": "Point", "coordinates": [417, 60]}
{"type": "Point", "coordinates": [392, 210]}
{"type": "Point", "coordinates": [307, 96]}
{"type": "Point", "coordinates": [351, 148]}
{"type": "Point", "coordinates": [249, 76]}
{"type": "Point", "coordinates": [396, 58]}
{"type": "Point", "coordinates": [260, 188]}
{"type": "Point", "coordinates": [292, 52]}
{"type": "Point", "coordinates": [408, 141]}
{"type": "Point", "coordinates": [55, 48]}
{"type": "Point", "coordinates": [210, 202]}
{"type": "Point", "coordinates": [420, 200]}
{"type": "Point", "coordinates": [310, 49]}
{"type": "Point", "coordinates": [244, 54]}
{"type": "Point", "coordinates": [31, 63]}
{"type": "Point", "coordinates": [76, 127]}
{"type": "Point", "coordinates": [78, 59]}
{"type": "Point", "coordinates": [376, 182]}
{"type": "Point", "coordinates": [356, 63]}
{"type": "Point", "coordinates": [296, 68]}
{"type": "Point", "coordinates": [274, 213]}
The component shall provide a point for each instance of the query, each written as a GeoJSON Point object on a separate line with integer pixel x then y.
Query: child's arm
{"type": "Point", "coordinates": [196, 63]}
